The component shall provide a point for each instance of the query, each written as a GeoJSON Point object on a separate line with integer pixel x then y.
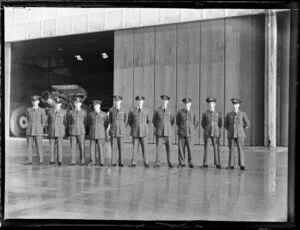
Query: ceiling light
{"type": "Point", "coordinates": [60, 49]}
{"type": "Point", "coordinates": [78, 57]}
{"type": "Point", "coordinates": [104, 55]}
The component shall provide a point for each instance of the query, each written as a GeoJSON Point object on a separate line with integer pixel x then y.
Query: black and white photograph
{"type": "Point", "coordinates": [149, 114]}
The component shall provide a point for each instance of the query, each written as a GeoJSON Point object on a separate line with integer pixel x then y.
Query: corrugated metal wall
{"type": "Point", "coordinates": [222, 58]}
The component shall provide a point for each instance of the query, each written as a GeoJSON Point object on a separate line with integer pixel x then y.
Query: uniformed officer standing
{"type": "Point", "coordinates": [97, 123]}
{"type": "Point", "coordinates": [139, 120]}
{"type": "Point", "coordinates": [76, 127]}
{"type": "Point", "coordinates": [186, 121]}
{"type": "Point", "coordinates": [236, 122]}
{"type": "Point", "coordinates": [36, 122]}
{"type": "Point", "coordinates": [163, 120]}
{"type": "Point", "coordinates": [211, 123]}
{"type": "Point", "coordinates": [118, 117]}
{"type": "Point", "coordinates": [56, 130]}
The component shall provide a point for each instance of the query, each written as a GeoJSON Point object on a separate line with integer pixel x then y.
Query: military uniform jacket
{"type": "Point", "coordinates": [163, 121]}
{"type": "Point", "coordinates": [98, 124]}
{"type": "Point", "coordinates": [139, 121]}
{"type": "Point", "coordinates": [236, 124]}
{"type": "Point", "coordinates": [186, 122]}
{"type": "Point", "coordinates": [57, 123]}
{"type": "Point", "coordinates": [117, 120]}
{"type": "Point", "coordinates": [36, 121]}
{"type": "Point", "coordinates": [211, 123]}
{"type": "Point", "coordinates": [76, 122]}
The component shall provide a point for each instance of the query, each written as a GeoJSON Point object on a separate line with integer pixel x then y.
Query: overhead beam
{"type": "Point", "coordinates": [107, 19]}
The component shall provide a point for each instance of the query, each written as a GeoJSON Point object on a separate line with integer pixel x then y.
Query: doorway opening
{"type": "Point", "coordinates": [85, 60]}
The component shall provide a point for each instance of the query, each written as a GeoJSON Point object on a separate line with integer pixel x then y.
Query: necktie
{"type": "Point", "coordinates": [164, 110]}
{"type": "Point", "coordinates": [139, 109]}
{"type": "Point", "coordinates": [234, 119]}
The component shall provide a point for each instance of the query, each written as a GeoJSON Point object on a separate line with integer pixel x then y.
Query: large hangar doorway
{"type": "Point", "coordinates": [85, 60]}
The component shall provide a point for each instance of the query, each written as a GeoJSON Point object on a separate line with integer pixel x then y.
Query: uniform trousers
{"type": "Point", "coordinates": [55, 147]}
{"type": "Point", "coordinates": [100, 143]}
{"type": "Point", "coordinates": [240, 147]}
{"type": "Point", "coordinates": [116, 142]}
{"type": "Point", "coordinates": [215, 143]}
{"type": "Point", "coordinates": [159, 143]}
{"type": "Point", "coordinates": [80, 140]}
{"type": "Point", "coordinates": [38, 143]}
{"type": "Point", "coordinates": [182, 143]}
{"type": "Point", "coordinates": [136, 141]}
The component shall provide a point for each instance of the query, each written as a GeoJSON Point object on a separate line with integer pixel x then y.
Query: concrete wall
{"type": "Point", "coordinates": [38, 22]}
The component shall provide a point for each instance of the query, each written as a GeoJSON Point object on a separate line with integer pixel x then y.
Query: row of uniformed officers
{"type": "Point", "coordinates": [138, 118]}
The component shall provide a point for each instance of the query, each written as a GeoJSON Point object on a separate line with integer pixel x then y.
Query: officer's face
{"type": "Point", "coordinates": [118, 103]}
{"type": "Point", "coordinates": [165, 103]}
{"type": "Point", "coordinates": [35, 103]}
{"type": "Point", "coordinates": [77, 104]}
{"type": "Point", "coordinates": [97, 107]}
{"type": "Point", "coordinates": [188, 105]}
{"type": "Point", "coordinates": [211, 105]}
{"type": "Point", "coordinates": [236, 106]}
{"type": "Point", "coordinates": [58, 105]}
{"type": "Point", "coordinates": [140, 103]}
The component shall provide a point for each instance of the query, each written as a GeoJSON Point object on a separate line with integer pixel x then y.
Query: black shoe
{"type": "Point", "coordinates": [218, 166]}
{"type": "Point", "coordinates": [29, 163]}
{"type": "Point", "coordinates": [132, 165]}
{"type": "Point", "coordinates": [156, 166]}
{"type": "Point", "coordinates": [101, 164]}
{"type": "Point", "coordinates": [51, 163]}
{"type": "Point", "coordinates": [204, 166]}
{"type": "Point", "coordinates": [171, 166]}
{"type": "Point", "coordinates": [243, 168]}
{"type": "Point", "coordinates": [231, 167]}
{"type": "Point", "coordinates": [181, 166]}
{"type": "Point", "coordinates": [121, 165]}
{"type": "Point", "coordinates": [72, 164]}
{"type": "Point", "coordinates": [191, 165]}
{"type": "Point", "coordinates": [59, 163]}
{"type": "Point", "coordinates": [146, 165]}
{"type": "Point", "coordinates": [114, 165]}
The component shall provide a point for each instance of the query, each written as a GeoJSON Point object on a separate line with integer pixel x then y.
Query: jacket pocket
{"type": "Point", "coordinates": [62, 130]}
{"type": "Point", "coordinates": [39, 129]}
{"type": "Point", "coordinates": [122, 129]}
{"type": "Point", "coordinates": [241, 132]}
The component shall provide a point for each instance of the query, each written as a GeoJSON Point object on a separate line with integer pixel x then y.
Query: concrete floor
{"type": "Point", "coordinates": [85, 192]}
